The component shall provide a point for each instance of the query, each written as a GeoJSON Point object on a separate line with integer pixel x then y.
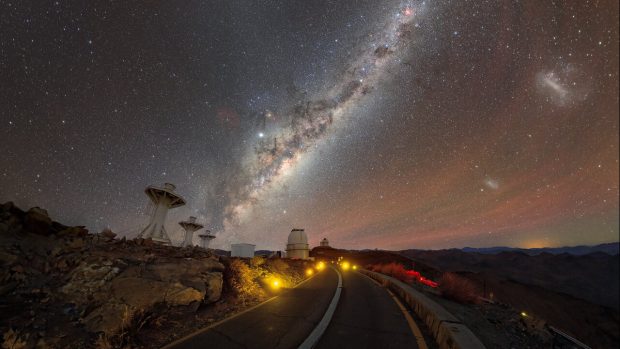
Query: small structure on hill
{"type": "Point", "coordinates": [324, 242]}
{"type": "Point", "coordinates": [297, 246]}
{"type": "Point", "coordinates": [163, 199]}
{"type": "Point", "coordinates": [242, 250]}
{"type": "Point", "coordinates": [190, 226]}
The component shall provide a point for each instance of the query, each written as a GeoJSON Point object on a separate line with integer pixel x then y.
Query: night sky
{"type": "Point", "coordinates": [376, 124]}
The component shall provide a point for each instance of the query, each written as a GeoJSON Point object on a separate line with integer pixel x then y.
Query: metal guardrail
{"type": "Point", "coordinates": [561, 340]}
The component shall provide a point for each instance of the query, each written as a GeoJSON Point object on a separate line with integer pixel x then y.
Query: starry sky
{"type": "Point", "coordinates": [377, 124]}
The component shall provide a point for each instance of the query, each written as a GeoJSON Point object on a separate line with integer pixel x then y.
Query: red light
{"type": "Point", "coordinates": [398, 271]}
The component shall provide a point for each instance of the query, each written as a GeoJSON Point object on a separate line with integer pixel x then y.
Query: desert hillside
{"type": "Point", "coordinates": [578, 294]}
{"type": "Point", "coordinates": [63, 287]}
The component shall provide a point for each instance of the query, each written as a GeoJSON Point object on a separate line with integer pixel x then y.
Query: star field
{"type": "Point", "coordinates": [378, 124]}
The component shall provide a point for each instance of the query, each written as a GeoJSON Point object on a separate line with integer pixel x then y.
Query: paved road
{"type": "Point", "coordinates": [283, 322]}
{"type": "Point", "coordinates": [366, 317]}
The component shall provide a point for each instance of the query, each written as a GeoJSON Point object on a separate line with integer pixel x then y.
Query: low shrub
{"type": "Point", "coordinates": [277, 265]}
{"type": "Point", "coordinates": [243, 281]}
{"type": "Point", "coordinates": [398, 271]}
{"type": "Point", "coordinates": [257, 261]}
{"type": "Point", "coordinates": [458, 288]}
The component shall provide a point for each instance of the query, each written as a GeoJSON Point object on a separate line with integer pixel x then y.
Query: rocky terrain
{"type": "Point", "coordinates": [578, 294]}
{"type": "Point", "coordinates": [63, 287]}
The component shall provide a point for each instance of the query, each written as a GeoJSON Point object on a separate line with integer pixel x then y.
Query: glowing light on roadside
{"type": "Point", "coordinates": [345, 265]}
{"type": "Point", "coordinates": [355, 267]}
{"type": "Point", "coordinates": [309, 271]}
{"type": "Point", "coordinates": [524, 314]}
{"type": "Point", "coordinates": [274, 283]}
{"type": "Point", "coordinates": [320, 266]}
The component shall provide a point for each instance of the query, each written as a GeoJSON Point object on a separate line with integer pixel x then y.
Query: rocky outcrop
{"type": "Point", "coordinates": [38, 221]}
{"type": "Point", "coordinates": [61, 283]}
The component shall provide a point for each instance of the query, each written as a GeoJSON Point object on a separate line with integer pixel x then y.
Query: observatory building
{"type": "Point", "coordinates": [297, 246]}
{"type": "Point", "coordinates": [242, 250]}
{"type": "Point", "coordinates": [163, 199]}
{"type": "Point", "coordinates": [205, 239]}
{"type": "Point", "coordinates": [324, 242]}
{"type": "Point", "coordinates": [190, 226]}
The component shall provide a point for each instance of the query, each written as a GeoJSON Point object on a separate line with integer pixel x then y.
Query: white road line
{"type": "Point", "coordinates": [318, 331]}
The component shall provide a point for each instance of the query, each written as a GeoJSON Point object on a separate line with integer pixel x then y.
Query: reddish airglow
{"type": "Point", "coordinates": [420, 215]}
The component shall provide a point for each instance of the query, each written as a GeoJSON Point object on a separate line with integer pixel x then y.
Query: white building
{"type": "Point", "coordinates": [242, 250]}
{"type": "Point", "coordinates": [297, 246]}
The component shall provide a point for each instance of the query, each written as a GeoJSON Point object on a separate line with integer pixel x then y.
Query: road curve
{"type": "Point", "coordinates": [283, 322]}
{"type": "Point", "coordinates": [366, 317]}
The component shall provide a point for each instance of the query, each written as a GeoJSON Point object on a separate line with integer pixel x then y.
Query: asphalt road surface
{"type": "Point", "coordinates": [366, 317]}
{"type": "Point", "coordinates": [283, 322]}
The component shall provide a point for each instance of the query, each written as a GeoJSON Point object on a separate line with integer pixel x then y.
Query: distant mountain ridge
{"type": "Point", "coordinates": [612, 248]}
{"type": "Point", "coordinates": [592, 277]}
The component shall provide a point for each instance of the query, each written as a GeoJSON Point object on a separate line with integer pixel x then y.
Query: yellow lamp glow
{"type": "Point", "coordinates": [309, 271]}
{"type": "Point", "coordinates": [345, 265]}
{"type": "Point", "coordinates": [274, 283]}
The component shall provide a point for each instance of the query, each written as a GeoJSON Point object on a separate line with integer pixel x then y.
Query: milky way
{"type": "Point", "coordinates": [313, 118]}
{"type": "Point", "coordinates": [376, 124]}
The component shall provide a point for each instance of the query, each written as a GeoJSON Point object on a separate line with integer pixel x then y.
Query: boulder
{"type": "Point", "coordinates": [143, 293]}
{"type": "Point", "coordinates": [79, 231]}
{"type": "Point", "coordinates": [167, 269]}
{"type": "Point", "coordinates": [88, 280]}
{"type": "Point", "coordinates": [38, 221]}
{"type": "Point", "coordinates": [76, 244]}
{"type": "Point", "coordinates": [7, 206]}
{"type": "Point", "coordinates": [109, 318]}
{"type": "Point", "coordinates": [133, 292]}
{"type": "Point", "coordinates": [107, 234]}
{"type": "Point", "coordinates": [144, 242]}
{"type": "Point", "coordinates": [213, 292]}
